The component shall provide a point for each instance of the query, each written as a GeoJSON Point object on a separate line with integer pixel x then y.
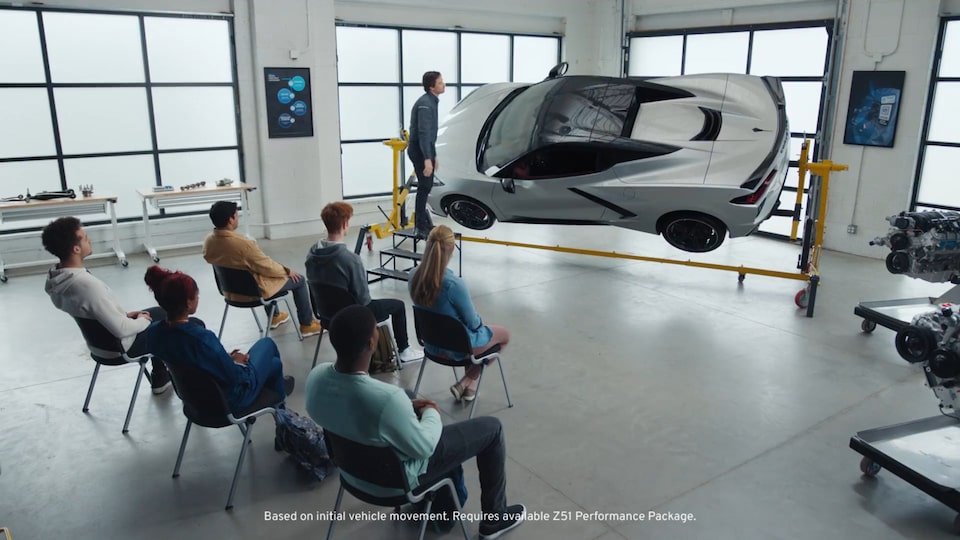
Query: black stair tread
{"type": "Point", "coordinates": [412, 233]}
{"type": "Point", "coordinates": [402, 253]}
{"type": "Point", "coordinates": [387, 272]}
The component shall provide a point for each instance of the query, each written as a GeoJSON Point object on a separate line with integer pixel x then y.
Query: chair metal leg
{"type": "Point", "coordinates": [242, 429]}
{"type": "Point", "coordinates": [423, 364]}
{"type": "Point", "coordinates": [316, 353]}
{"type": "Point", "coordinates": [133, 398]}
{"type": "Point", "coordinates": [476, 395]}
{"type": "Point", "coordinates": [456, 505]}
{"type": "Point", "coordinates": [93, 381]}
{"type": "Point", "coordinates": [336, 509]}
{"type": "Point", "coordinates": [290, 311]}
{"type": "Point", "coordinates": [271, 311]}
{"type": "Point", "coordinates": [236, 473]}
{"type": "Point", "coordinates": [223, 321]}
{"type": "Point", "coordinates": [183, 446]}
{"type": "Point", "coordinates": [504, 378]}
{"type": "Point", "coordinates": [423, 524]}
{"type": "Point", "coordinates": [456, 378]}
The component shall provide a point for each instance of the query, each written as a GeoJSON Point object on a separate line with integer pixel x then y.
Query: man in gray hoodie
{"type": "Point", "coordinates": [331, 263]}
{"type": "Point", "coordinates": [76, 291]}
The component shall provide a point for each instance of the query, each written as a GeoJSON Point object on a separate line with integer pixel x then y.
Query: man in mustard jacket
{"type": "Point", "coordinates": [226, 247]}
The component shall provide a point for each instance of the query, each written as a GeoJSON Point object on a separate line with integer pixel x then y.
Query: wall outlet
{"type": "Point", "coordinates": [851, 229]}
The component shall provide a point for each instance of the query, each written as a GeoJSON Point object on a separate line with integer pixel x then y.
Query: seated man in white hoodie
{"type": "Point", "coordinates": [78, 293]}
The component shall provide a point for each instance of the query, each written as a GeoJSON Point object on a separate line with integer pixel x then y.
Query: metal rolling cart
{"type": "Point", "coordinates": [897, 314]}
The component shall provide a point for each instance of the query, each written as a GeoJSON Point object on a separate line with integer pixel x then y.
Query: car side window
{"type": "Point", "coordinates": [555, 161]}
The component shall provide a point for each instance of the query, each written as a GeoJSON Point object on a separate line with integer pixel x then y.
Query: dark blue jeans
{"type": "Point", "coordinates": [267, 371]}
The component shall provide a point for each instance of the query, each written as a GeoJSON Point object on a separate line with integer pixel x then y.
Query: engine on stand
{"type": "Point", "coordinates": [933, 339]}
{"type": "Point", "coordinates": [924, 245]}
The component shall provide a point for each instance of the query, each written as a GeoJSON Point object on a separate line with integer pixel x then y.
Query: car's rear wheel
{"type": "Point", "coordinates": [470, 213]}
{"type": "Point", "coordinates": [691, 231]}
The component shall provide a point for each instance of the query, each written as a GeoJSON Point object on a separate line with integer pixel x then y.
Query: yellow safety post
{"type": "Point", "coordinates": [383, 230]}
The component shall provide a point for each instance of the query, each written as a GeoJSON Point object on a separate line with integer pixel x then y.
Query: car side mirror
{"type": "Point", "coordinates": [508, 185]}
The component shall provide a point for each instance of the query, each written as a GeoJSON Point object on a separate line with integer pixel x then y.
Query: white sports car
{"type": "Point", "coordinates": [691, 157]}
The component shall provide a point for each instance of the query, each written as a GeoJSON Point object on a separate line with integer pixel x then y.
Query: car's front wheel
{"type": "Point", "coordinates": [691, 231]}
{"type": "Point", "coordinates": [470, 213]}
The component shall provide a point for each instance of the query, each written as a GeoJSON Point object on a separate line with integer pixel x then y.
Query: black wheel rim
{"type": "Point", "coordinates": [691, 234]}
{"type": "Point", "coordinates": [470, 215]}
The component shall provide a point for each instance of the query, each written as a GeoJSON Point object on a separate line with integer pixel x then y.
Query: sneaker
{"type": "Point", "coordinates": [468, 394]}
{"type": "Point", "coordinates": [411, 355]}
{"type": "Point", "coordinates": [512, 519]}
{"type": "Point", "coordinates": [288, 384]}
{"type": "Point", "coordinates": [311, 329]}
{"type": "Point", "coordinates": [160, 380]}
{"type": "Point", "coordinates": [279, 319]}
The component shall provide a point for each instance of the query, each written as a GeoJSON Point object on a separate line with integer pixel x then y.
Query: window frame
{"type": "Point", "coordinates": [147, 85]}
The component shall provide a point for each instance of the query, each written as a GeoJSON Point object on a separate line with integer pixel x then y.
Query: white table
{"type": "Point", "coordinates": [236, 192]}
{"type": "Point", "coordinates": [55, 208]}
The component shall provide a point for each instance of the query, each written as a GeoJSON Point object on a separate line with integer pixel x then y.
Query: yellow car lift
{"type": "Point", "coordinates": [812, 247]}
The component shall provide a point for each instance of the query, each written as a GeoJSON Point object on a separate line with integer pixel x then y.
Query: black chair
{"type": "Point", "coordinates": [327, 301]}
{"type": "Point", "coordinates": [381, 466]}
{"type": "Point", "coordinates": [205, 405]}
{"type": "Point", "coordinates": [232, 281]}
{"type": "Point", "coordinates": [448, 333]}
{"type": "Point", "coordinates": [107, 350]}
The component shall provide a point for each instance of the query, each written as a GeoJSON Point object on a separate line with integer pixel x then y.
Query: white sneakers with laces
{"type": "Point", "coordinates": [411, 355]}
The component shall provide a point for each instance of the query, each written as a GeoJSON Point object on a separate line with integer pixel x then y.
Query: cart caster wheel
{"type": "Point", "coordinates": [741, 277]}
{"type": "Point", "coordinates": [802, 298]}
{"type": "Point", "coordinates": [870, 467]}
{"type": "Point", "coordinates": [868, 326]}
{"type": "Point", "coordinates": [156, 259]}
{"type": "Point", "coordinates": [124, 263]}
{"type": "Point", "coordinates": [3, 279]}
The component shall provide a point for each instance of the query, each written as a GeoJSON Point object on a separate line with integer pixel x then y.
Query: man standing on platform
{"type": "Point", "coordinates": [422, 150]}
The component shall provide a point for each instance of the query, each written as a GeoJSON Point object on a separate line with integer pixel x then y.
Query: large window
{"type": "Point", "coordinates": [115, 100]}
{"type": "Point", "coordinates": [796, 53]}
{"type": "Point", "coordinates": [380, 70]}
{"type": "Point", "coordinates": [936, 182]}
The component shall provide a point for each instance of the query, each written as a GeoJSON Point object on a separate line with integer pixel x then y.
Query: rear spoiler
{"type": "Point", "coordinates": [776, 92]}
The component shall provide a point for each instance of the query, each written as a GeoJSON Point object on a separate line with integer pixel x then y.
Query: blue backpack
{"type": "Point", "coordinates": [302, 438]}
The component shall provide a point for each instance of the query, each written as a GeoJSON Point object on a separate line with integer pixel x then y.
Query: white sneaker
{"type": "Point", "coordinates": [411, 355]}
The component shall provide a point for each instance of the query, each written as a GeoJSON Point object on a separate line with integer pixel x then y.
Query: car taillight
{"type": "Point", "coordinates": [756, 195]}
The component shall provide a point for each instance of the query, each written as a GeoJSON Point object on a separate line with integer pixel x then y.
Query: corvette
{"type": "Point", "coordinates": [693, 158]}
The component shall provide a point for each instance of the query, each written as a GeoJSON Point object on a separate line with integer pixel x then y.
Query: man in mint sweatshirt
{"type": "Point", "coordinates": [345, 400]}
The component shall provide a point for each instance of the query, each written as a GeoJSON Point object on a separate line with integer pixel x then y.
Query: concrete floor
{"type": "Point", "coordinates": [638, 387]}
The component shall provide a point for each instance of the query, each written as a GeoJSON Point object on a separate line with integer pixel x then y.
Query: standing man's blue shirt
{"type": "Point", "coordinates": [424, 121]}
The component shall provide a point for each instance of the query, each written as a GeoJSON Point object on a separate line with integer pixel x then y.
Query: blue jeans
{"type": "Point", "coordinates": [267, 371]}
{"type": "Point", "coordinates": [301, 299]}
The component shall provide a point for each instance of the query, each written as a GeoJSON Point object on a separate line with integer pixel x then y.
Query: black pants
{"type": "Point", "coordinates": [424, 185]}
{"type": "Point", "coordinates": [387, 307]}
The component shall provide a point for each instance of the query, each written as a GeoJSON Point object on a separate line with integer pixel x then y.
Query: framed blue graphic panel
{"type": "Point", "coordinates": [874, 104]}
{"type": "Point", "coordinates": [289, 108]}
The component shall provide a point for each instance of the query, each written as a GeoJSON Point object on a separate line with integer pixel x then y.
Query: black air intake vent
{"type": "Point", "coordinates": [712, 122]}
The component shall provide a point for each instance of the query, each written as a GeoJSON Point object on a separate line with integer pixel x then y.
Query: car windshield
{"type": "Point", "coordinates": [569, 109]}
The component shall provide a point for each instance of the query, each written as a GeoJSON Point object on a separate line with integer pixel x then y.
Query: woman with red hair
{"type": "Point", "coordinates": [242, 377]}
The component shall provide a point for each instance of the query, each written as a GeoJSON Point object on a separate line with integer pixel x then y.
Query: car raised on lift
{"type": "Point", "coordinates": [693, 158]}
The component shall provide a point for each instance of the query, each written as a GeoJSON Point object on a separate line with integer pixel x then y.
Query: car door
{"type": "Point", "coordinates": [551, 184]}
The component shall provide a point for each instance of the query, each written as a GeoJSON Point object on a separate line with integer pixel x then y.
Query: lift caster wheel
{"type": "Point", "coordinates": [802, 298]}
{"type": "Point", "coordinates": [3, 279]}
{"type": "Point", "coordinates": [156, 259]}
{"type": "Point", "coordinates": [741, 277]}
{"type": "Point", "coordinates": [124, 263]}
{"type": "Point", "coordinates": [869, 467]}
{"type": "Point", "coordinates": [868, 326]}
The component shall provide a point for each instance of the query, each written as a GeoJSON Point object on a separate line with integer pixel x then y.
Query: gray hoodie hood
{"type": "Point", "coordinates": [333, 264]}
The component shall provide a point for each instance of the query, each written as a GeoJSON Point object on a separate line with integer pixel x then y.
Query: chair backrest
{"type": "Point", "coordinates": [378, 465]}
{"type": "Point", "coordinates": [328, 299]}
{"type": "Point", "coordinates": [203, 400]}
{"type": "Point", "coordinates": [441, 331]}
{"type": "Point", "coordinates": [96, 335]}
{"type": "Point", "coordinates": [235, 281]}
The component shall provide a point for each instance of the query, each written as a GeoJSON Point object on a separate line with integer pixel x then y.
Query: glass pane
{"type": "Point", "coordinates": [797, 52]}
{"type": "Point", "coordinates": [655, 56]}
{"type": "Point", "coordinates": [195, 117]}
{"type": "Point", "coordinates": [119, 175]}
{"type": "Point", "coordinates": [485, 58]}
{"type": "Point", "coordinates": [20, 53]}
{"type": "Point", "coordinates": [188, 50]}
{"type": "Point", "coordinates": [944, 116]}
{"type": "Point", "coordinates": [86, 47]}
{"type": "Point", "coordinates": [36, 176]}
{"type": "Point", "coordinates": [367, 169]}
{"type": "Point", "coordinates": [803, 105]}
{"type": "Point", "coordinates": [938, 180]}
{"type": "Point", "coordinates": [429, 51]}
{"type": "Point", "coordinates": [533, 57]}
{"type": "Point", "coordinates": [94, 120]}
{"type": "Point", "coordinates": [795, 144]}
{"type": "Point", "coordinates": [26, 129]}
{"type": "Point", "coordinates": [950, 61]}
{"type": "Point", "coordinates": [367, 55]}
{"type": "Point", "coordinates": [717, 53]}
{"type": "Point", "coordinates": [184, 168]}
{"type": "Point", "coordinates": [369, 112]}
{"type": "Point", "coordinates": [412, 93]}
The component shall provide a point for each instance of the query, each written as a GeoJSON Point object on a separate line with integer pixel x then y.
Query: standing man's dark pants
{"type": "Point", "coordinates": [387, 307]}
{"type": "Point", "coordinates": [424, 184]}
{"type": "Point", "coordinates": [481, 437]}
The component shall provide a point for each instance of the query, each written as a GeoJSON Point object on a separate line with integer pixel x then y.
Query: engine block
{"type": "Point", "coordinates": [924, 245]}
{"type": "Point", "coordinates": [933, 339]}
